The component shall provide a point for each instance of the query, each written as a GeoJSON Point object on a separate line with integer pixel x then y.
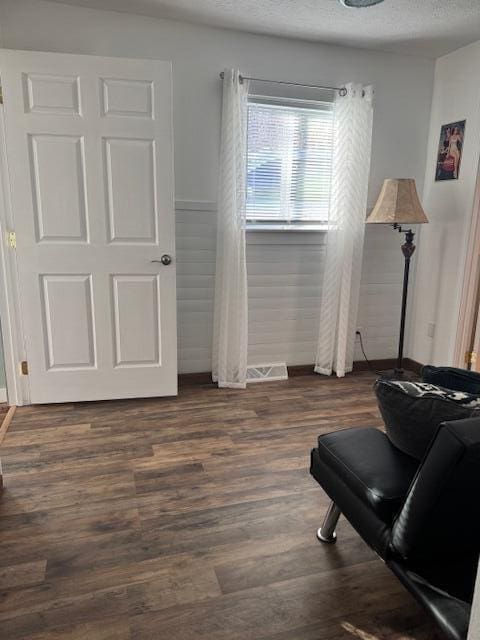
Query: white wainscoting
{"type": "Point", "coordinates": [284, 279]}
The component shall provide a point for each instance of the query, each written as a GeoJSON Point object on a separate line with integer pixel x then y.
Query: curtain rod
{"type": "Point", "coordinates": [341, 90]}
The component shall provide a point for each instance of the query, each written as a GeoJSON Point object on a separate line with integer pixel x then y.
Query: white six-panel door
{"type": "Point", "coordinates": [90, 161]}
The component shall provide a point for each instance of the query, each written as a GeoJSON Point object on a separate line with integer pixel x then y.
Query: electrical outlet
{"type": "Point", "coordinates": [431, 329]}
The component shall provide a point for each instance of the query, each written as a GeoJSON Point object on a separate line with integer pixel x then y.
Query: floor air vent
{"type": "Point", "coordinates": [267, 372]}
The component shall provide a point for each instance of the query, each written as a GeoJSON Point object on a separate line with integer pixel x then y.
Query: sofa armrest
{"type": "Point", "coordinates": [452, 378]}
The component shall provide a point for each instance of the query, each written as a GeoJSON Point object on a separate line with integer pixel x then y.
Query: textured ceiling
{"type": "Point", "coordinates": [425, 27]}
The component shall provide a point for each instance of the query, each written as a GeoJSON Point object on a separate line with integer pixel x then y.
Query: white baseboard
{"type": "Point", "coordinates": [3, 395]}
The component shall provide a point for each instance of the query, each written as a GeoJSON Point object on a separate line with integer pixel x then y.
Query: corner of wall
{"type": "Point", "coordinates": [449, 206]}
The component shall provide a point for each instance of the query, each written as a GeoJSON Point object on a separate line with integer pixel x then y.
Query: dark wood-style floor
{"type": "Point", "coordinates": [189, 518]}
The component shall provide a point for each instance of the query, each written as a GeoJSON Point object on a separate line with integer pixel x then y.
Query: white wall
{"type": "Point", "coordinates": [474, 630]}
{"type": "Point", "coordinates": [449, 207]}
{"type": "Point", "coordinates": [288, 291]}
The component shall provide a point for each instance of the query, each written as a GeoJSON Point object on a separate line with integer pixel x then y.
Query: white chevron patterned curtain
{"type": "Point", "coordinates": [348, 206]}
{"type": "Point", "coordinates": [230, 333]}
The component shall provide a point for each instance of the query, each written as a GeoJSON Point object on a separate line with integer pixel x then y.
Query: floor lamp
{"type": "Point", "coordinates": [398, 205]}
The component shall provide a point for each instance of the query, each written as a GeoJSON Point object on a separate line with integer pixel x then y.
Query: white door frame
{"type": "Point", "coordinates": [18, 388]}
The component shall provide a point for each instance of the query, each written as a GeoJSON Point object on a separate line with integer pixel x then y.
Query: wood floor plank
{"type": "Point", "coordinates": [113, 629]}
{"type": "Point", "coordinates": [22, 575]}
{"type": "Point", "coordinates": [189, 518]}
{"type": "Point", "coordinates": [49, 434]}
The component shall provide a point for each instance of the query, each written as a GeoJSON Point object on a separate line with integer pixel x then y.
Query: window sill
{"type": "Point", "coordinates": [310, 228]}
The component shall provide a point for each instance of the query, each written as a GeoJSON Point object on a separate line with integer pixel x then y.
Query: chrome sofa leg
{"type": "Point", "coordinates": [326, 533]}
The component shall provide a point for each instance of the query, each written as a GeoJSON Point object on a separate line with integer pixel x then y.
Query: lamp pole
{"type": "Point", "coordinates": [408, 249]}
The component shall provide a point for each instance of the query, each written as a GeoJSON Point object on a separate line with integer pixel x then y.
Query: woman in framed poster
{"type": "Point", "coordinates": [450, 150]}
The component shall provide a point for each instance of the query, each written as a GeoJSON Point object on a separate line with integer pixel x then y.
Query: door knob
{"type": "Point", "coordinates": [165, 260]}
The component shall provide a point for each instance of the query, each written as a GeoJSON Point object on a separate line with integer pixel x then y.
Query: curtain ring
{"type": "Point", "coordinates": [240, 78]}
{"type": "Point", "coordinates": [342, 92]}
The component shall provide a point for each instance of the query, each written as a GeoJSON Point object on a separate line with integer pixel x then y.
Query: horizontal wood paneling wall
{"type": "Point", "coordinates": [196, 240]}
{"type": "Point", "coordinates": [284, 287]}
{"type": "Point", "coordinates": [284, 278]}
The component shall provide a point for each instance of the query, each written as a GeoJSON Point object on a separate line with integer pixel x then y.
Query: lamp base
{"type": "Point", "coordinates": [398, 374]}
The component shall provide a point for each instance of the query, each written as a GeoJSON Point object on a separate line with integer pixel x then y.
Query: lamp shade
{"type": "Point", "coordinates": [398, 203]}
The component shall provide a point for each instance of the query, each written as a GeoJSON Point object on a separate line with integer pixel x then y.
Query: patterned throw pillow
{"type": "Point", "coordinates": [413, 411]}
{"type": "Point", "coordinates": [426, 390]}
{"type": "Point", "coordinates": [452, 378]}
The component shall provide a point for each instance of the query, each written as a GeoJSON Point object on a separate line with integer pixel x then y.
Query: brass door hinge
{"type": "Point", "coordinates": [12, 239]}
{"type": "Point", "coordinates": [24, 367]}
{"type": "Point", "coordinates": [470, 357]}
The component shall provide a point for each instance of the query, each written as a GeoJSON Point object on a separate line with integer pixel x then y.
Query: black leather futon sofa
{"type": "Point", "coordinates": [422, 518]}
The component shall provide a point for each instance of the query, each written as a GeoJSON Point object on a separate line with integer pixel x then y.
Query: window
{"type": "Point", "coordinates": [288, 164]}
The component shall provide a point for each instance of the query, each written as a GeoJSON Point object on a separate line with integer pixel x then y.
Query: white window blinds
{"type": "Point", "coordinates": [289, 162]}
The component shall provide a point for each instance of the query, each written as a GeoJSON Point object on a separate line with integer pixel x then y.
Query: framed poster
{"type": "Point", "coordinates": [450, 150]}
